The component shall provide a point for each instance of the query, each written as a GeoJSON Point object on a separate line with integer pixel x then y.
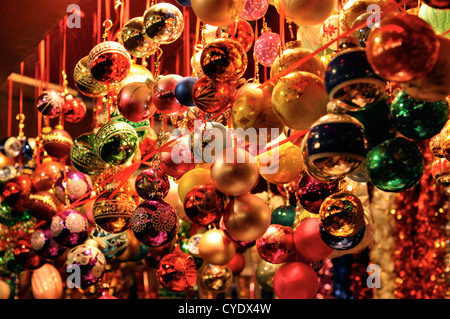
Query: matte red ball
{"type": "Point", "coordinates": [276, 246]}
{"type": "Point", "coordinates": [308, 242]}
{"type": "Point", "coordinates": [237, 264]}
{"type": "Point", "coordinates": [295, 280]}
{"type": "Point", "coordinates": [134, 102]}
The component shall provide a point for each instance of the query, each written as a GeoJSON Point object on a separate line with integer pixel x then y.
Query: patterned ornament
{"type": "Point", "coordinates": [72, 187]}
{"type": "Point", "coordinates": [43, 205]}
{"type": "Point", "coordinates": [211, 96]}
{"type": "Point", "coordinates": [177, 271]}
{"type": "Point", "coordinates": [83, 156]}
{"type": "Point", "coordinates": [69, 228]}
{"type": "Point", "coordinates": [44, 244]}
{"type": "Point", "coordinates": [57, 143]}
{"type": "Point", "coordinates": [152, 183]}
{"type": "Point", "coordinates": [84, 81]}
{"type": "Point", "coordinates": [113, 213]}
{"type": "Point", "coordinates": [216, 278]}
{"type": "Point", "coordinates": [204, 205]}
{"type": "Point", "coordinates": [50, 103]}
{"type": "Point", "coordinates": [111, 245]}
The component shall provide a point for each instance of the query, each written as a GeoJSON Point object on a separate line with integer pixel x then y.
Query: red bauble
{"type": "Point", "coordinates": [74, 110]}
{"type": "Point", "coordinates": [16, 192]}
{"type": "Point", "coordinates": [177, 271]}
{"type": "Point", "coordinates": [242, 31]}
{"type": "Point", "coordinates": [134, 102]}
{"type": "Point", "coordinates": [163, 98]}
{"type": "Point", "coordinates": [176, 157]}
{"type": "Point", "coordinates": [311, 193]}
{"type": "Point", "coordinates": [46, 175]}
{"type": "Point", "coordinates": [25, 256]}
{"type": "Point", "coordinates": [43, 205]}
{"type": "Point", "coordinates": [57, 143]}
{"type": "Point", "coordinates": [308, 242]}
{"type": "Point", "coordinates": [295, 280]}
{"type": "Point", "coordinates": [204, 204]}
{"type": "Point", "coordinates": [211, 96]}
{"type": "Point", "coordinates": [237, 264]}
{"type": "Point", "coordinates": [276, 246]}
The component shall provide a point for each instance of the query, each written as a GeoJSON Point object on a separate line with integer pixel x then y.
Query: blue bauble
{"type": "Point", "coordinates": [183, 90]}
{"type": "Point", "coordinates": [342, 243]}
{"type": "Point", "coordinates": [184, 3]}
{"type": "Point", "coordinates": [111, 245]}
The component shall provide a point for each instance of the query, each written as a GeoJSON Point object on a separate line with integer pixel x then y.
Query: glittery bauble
{"type": "Point", "coordinates": [138, 73]}
{"type": "Point", "coordinates": [435, 86]}
{"type": "Point", "coordinates": [435, 145]}
{"type": "Point", "coordinates": [152, 183]}
{"type": "Point", "coordinates": [224, 60]}
{"type": "Point", "coordinates": [299, 99]}
{"type": "Point", "coordinates": [311, 193]}
{"type": "Point", "coordinates": [416, 119]}
{"type": "Point", "coordinates": [277, 244]}
{"type": "Point", "coordinates": [16, 191]}
{"type": "Point", "coordinates": [440, 169]}
{"type": "Point", "coordinates": [342, 214]}
{"type": "Point", "coordinates": [234, 172]}
{"type": "Point", "coordinates": [295, 280]}
{"type": "Point", "coordinates": [134, 102]}
{"type": "Point", "coordinates": [216, 248]}
{"type": "Point", "coordinates": [176, 157]}
{"type": "Point", "coordinates": [242, 32]}
{"type": "Point", "coordinates": [177, 271]}
{"type": "Point", "coordinates": [218, 12]}
{"type": "Point", "coordinates": [210, 96]}
{"type": "Point", "coordinates": [246, 217]}
{"type": "Point", "coordinates": [255, 9]}
{"type": "Point", "coordinates": [57, 143]}
{"type": "Point", "coordinates": [293, 52]}
{"type": "Point", "coordinates": [85, 265]}
{"type": "Point", "coordinates": [216, 278]}
{"type": "Point", "coordinates": [267, 48]}
{"type": "Point", "coordinates": [342, 243]}
{"type": "Point", "coordinates": [84, 81]}
{"type": "Point", "coordinates": [69, 228]}
{"type": "Point", "coordinates": [163, 23]}
{"type": "Point", "coordinates": [73, 186]}
{"type": "Point", "coordinates": [74, 110]}
{"type": "Point", "coordinates": [113, 213]}
{"type": "Point", "coordinates": [350, 79]}
{"type": "Point", "coordinates": [154, 223]}
{"type": "Point", "coordinates": [265, 272]}
{"type": "Point", "coordinates": [134, 40]}
{"type": "Point", "coordinates": [308, 241]}
{"type": "Point", "coordinates": [284, 215]}
{"type": "Point", "coordinates": [83, 156]}
{"type": "Point", "coordinates": [43, 205]}
{"type": "Point", "coordinates": [44, 245]}
{"type": "Point", "coordinates": [116, 142]}
{"type": "Point", "coordinates": [304, 12]}
{"type": "Point", "coordinates": [50, 103]}
{"type": "Point", "coordinates": [438, 4]}
{"type": "Point", "coordinates": [404, 48]}
{"type": "Point", "coordinates": [204, 205]}
{"type": "Point", "coordinates": [395, 165]}
{"type": "Point", "coordinates": [163, 97]}
{"type": "Point", "coordinates": [109, 62]}
{"type": "Point", "coordinates": [25, 256]}
{"type": "Point", "coordinates": [334, 147]}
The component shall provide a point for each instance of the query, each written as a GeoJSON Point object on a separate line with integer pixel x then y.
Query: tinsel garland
{"type": "Point", "coordinates": [420, 239]}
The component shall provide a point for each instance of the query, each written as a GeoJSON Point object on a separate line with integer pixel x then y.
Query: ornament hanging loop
{"type": "Point", "coordinates": [21, 118]}
{"type": "Point", "coordinates": [107, 24]}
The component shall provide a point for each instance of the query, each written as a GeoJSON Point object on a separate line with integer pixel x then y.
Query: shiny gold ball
{"type": "Point", "coordinates": [84, 81]}
{"type": "Point", "coordinates": [216, 248]}
{"type": "Point", "coordinates": [216, 278]}
{"type": "Point", "coordinates": [134, 40]}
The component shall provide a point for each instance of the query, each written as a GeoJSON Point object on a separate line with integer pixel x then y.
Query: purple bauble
{"type": "Point", "coordinates": [255, 9]}
{"type": "Point", "coordinates": [267, 48]}
{"type": "Point", "coordinates": [154, 223]}
{"type": "Point", "coordinates": [77, 185]}
{"type": "Point", "coordinates": [87, 261]}
{"type": "Point", "coordinates": [70, 228]}
{"type": "Point", "coordinates": [50, 103]}
{"type": "Point", "coordinates": [44, 244]}
{"type": "Point", "coordinates": [311, 193]}
{"type": "Point", "coordinates": [152, 183]}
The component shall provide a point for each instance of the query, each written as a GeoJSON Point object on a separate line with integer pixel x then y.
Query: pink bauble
{"type": "Point", "coordinates": [308, 242]}
{"type": "Point", "coordinates": [267, 48]}
{"type": "Point", "coordinates": [276, 246]}
{"type": "Point", "coordinates": [295, 280]}
{"type": "Point", "coordinates": [255, 9]}
{"type": "Point", "coordinates": [163, 98]}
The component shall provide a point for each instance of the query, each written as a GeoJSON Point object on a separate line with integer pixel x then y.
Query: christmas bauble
{"type": "Point", "coordinates": [395, 165]}
{"type": "Point", "coordinates": [111, 245]}
{"type": "Point", "coordinates": [138, 74]}
{"type": "Point", "coordinates": [330, 30]}
{"type": "Point", "coordinates": [83, 156]}
{"type": "Point", "coordinates": [246, 218]}
{"type": "Point", "coordinates": [176, 157]}
{"type": "Point", "coordinates": [17, 191]}
{"type": "Point", "coordinates": [46, 175]}
{"type": "Point", "coordinates": [85, 264]}
{"type": "Point", "coordinates": [218, 12]}
{"type": "Point", "coordinates": [154, 223]}
{"type": "Point", "coordinates": [334, 147]}
{"type": "Point", "coordinates": [237, 264]}
{"type": "Point", "coordinates": [46, 283]}
{"type": "Point", "coordinates": [299, 99]}
{"type": "Point", "coordinates": [303, 12]}
{"type": "Point", "coordinates": [210, 96]}
{"type": "Point", "coordinates": [152, 183]}
{"type": "Point", "coordinates": [25, 256]}
{"type": "Point", "coordinates": [267, 48]}
{"type": "Point", "coordinates": [284, 215]}
{"type": "Point", "coordinates": [255, 9]}
{"type": "Point", "coordinates": [265, 272]}
{"type": "Point", "coordinates": [208, 139]}
{"type": "Point", "coordinates": [44, 244]}
{"type": "Point", "coordinates": [242, 31]}
{"type": "Point", "coordinates": [216, 278]}
{"type": "Point", "coordinates": [183, 90]}
{"type": "Point", "coordinates": [109, 62]}
{"type": "Point", "coordinates": [74, 110]}
{"type": "Point", "coordinates": [133, 102]}
{"type": "Point", "coordinates": [414, 54]}
{"type": "Point", "coordinates": [356, 86]}
{"type": "Point", "coordinates": [5, 290]}
{"type": "Point", "coordinates": [73, 186]}
{"type": "Point", "coordinates": [57, 143]}
{"type": "Point", "coordinates": [308, 241]}
{"type": "Point", "coordinates": [50, 103]}
{"type": "Point", "coordinates": [194, 177]}
{"type": "Point", "coordinates": [416, 119]}
{"type": "Point", "coordinates": [295, 280]}
{"type": "Point", "coordinates": [133, 38]}
{"type": "Point", "coordinates": [113, 213]}
{"type": "Point", "coordinates": [435, 144]}
{"type": "Point", "coordinates": [204, 205]}
{"type": "Point", "coordinates": [84, 81]}
{"type": "Point", "coordinates": [177, 271]}
{"type": "Point", "coordinates": [310, 36]}
{"type": "Point", "coordinates": [342, 214]}
{"type": "Point", "coordinates": [277, 244]}
{"type": "Point", "coordinates": [311, 193]}
{"type": "Point", "coordinates": [116, 142]}
{"type": "Point", "coordinates": [69, 228]}
{"type": "Point", "coordinates": [142, 128]}
{"type": "Point", "coordinates": [224, 60]}
{"type": "Point", "coordinates": [440, 169]}
{"type": "Point", "coordinates": [163, 23]}
{"type": "Point", "coordinates": [163, 97]}
{"type": "Point", "coordinates": [361, 33]}
{"type": "Point", "coordinates": [438, 4]}
{"type": "Point", "coordinates": [342, 243]}
{"type": "Point", "coordinates": [234, 172]}
{"type": "Point", "coordinates": [43, 205]}
{"type": "Point", "coordinates": [10, 146]}
{"type": "Point", "coordinates": [216, 248]}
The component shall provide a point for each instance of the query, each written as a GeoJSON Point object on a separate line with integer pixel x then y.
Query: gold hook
{"type": "Point", "coordinates": [21, 118]}
{"type": "Point", "coordinates": [107, 24]}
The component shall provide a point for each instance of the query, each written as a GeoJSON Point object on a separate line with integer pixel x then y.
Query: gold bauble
{"type": "Point", "coordinates": [194, 177]}
{"type": "Point", "coordinates": [134, 40]}
{"type": "Point", "coordinates": [246, 217]}
{"type": "Point", "coordinates": [294, 52]}
{"type": "Point", "coordinates": [299, 99]}
{"type": "Point", "coordinates": [306, 12]}
{"type": "Point", "coordinates": [216, 278]}
{"type": "Point", "coordinates": [264, 273]}
{"type": "Point", "coordinates": [84, 81]}
{"type": "Point", "coordinates": [355, 8]}
{"type": "Point", "coordinates": [218, 13]}
{"type": "Point", "coordinates": [138, 73]}
{"type": "Point", "coordinates": [216, 248]}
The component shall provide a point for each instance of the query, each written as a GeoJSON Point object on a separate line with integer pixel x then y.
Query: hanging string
{"type": "Point", "coordinates": [186, 42]}
{"type": "Point", "coordinates": [99, 20]}
{"type": "Point", "coordinates": [10, 100]}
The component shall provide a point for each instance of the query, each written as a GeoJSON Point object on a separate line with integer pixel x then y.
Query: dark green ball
{"type": "Point", "coordinates": [284, 215]}
{"type": "Point", "coordinates": [395, 165]}
{"type": "Point", "coordinates": [418, 120]}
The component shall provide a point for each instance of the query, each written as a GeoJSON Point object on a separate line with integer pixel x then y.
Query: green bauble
{"type": "Point", "coordinates": [116, 142]}
{"type": "Point", "coordinates": [284, 215]}
{"type": "Point", "coordinates": [83, 156]}
{"type": "Point", "coordinates": [395, 165]}
{"type": "Point", "coordinates": [141, 128]}
{"type": "Point", "coordinates": [6, 217]}
{"type": "Point", "coordinates": [418, 120]}
{"type": "Point", "coordinates": [438, 19]}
